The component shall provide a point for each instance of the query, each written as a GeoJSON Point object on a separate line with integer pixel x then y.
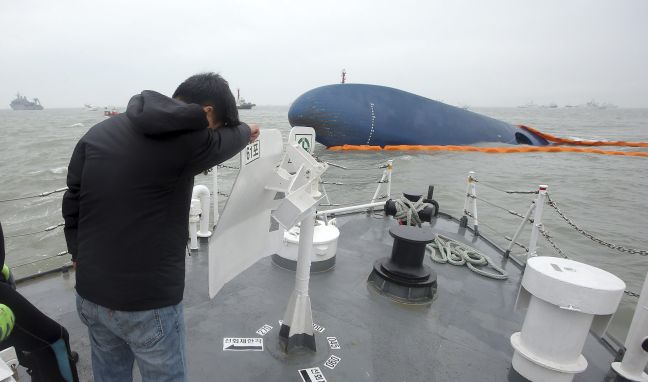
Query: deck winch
{"type": "Point", "coordinates": [413, 209]}
{"type": "Point", "coordinates": [403, 276]}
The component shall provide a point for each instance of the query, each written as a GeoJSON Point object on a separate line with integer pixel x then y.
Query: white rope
{"type": "Point", "coordinates": [408, 210]}
{"type": "Point", "coordinates": [457, 253]}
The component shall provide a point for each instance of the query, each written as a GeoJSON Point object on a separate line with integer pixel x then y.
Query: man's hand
{"type": "Point", "coordinates": [254, 132]}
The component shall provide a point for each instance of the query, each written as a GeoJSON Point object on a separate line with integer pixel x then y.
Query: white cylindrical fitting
{"type": "Point", "coordinates": [565, 299]}
{"type": "Point", "coordinates": [556, 334]}
{"type": "Point", "coordinates": [202, 193]}
{"type": "Point", "coordinates": [194, 218]}
{"type": "Point", "coordinates": [636, 357]}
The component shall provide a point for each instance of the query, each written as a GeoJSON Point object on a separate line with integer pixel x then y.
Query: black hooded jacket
{"type": "Point", "coordinates": [126, 211]}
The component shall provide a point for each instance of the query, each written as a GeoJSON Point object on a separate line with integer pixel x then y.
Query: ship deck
{"type": "Point", "coordinates": [462, 336]}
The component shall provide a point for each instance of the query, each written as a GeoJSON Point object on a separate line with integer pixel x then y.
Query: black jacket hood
{"type": "Point", "coordinates": [153, 113]}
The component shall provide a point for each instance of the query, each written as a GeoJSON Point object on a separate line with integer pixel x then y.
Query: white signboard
{"type": "Point", "coordinates": [242, 344]}
{"type": "Point", "coordinates": [252, 152]}
{"type": "Point", "coordinates": [313, 374]}
{"type": "Point", "coordinates": [264, 330]}
{"type": "Point", "coordinates": [332, 362]}
{"type": "Point", "coordinates": [333, 343]}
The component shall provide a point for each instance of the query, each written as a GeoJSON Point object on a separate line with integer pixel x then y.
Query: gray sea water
{"type": "Point", "coordinates": [606, 195]}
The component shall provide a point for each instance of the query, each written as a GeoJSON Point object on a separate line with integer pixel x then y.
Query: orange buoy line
{"type": "Point", "coordinates": [574, 142]}
{"type": "Point", "coordinates": [490, 150]}
{"type": "Point", "coordinates": [514, 149]}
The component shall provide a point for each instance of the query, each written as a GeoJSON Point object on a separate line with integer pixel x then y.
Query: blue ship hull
{"type": "Point", "coordinates": [358, 114]}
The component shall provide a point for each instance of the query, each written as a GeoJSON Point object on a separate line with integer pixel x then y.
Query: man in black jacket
{"type": "Point", "coordinates": [126, 212]}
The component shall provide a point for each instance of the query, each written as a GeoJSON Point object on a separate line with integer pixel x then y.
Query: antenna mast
{"type": "Point", "coordinates": [343, 76]}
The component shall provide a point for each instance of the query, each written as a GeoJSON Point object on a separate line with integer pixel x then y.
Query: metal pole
{"type": "Point", "coordinates": [636, 356]}
{"type": "Point", "coordinates": [390, 167]}
{"type": "Point", "coordinates": [474, 200]}
{"type": "Point", "coordinates": [297, 326]}
{"type": "Point", "coordinates": [215, 178]}
{"type": "Point", "coordinates": [464, 219]}
{"type": "Point", "coordinates": [359, 207]}
{"type": "Point", "coordinates": [519, 229]}
{"type": "Point", "coordinates": [305, 253]}
{"type": "Point", "coordinates": [537, 220]}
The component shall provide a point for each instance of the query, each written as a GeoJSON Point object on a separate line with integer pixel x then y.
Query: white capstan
{"type": "Point", "coordinates": [564, 299]}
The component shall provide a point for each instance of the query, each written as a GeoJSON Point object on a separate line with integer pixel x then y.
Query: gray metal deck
{"type": "Point", "coordinates": [462, 336]}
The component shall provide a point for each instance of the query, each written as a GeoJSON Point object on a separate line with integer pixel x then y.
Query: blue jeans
{"type": "Point", "coordinates": [155, 338]}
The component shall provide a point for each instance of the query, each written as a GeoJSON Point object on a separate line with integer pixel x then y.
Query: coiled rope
{"type": "Point", "coordinates": [408, 211]}
{"type": "Point", "coordinates": [458, 253]}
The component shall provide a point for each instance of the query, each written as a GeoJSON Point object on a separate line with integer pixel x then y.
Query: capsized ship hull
{"type": "Point", "coordinates": [359, 114]}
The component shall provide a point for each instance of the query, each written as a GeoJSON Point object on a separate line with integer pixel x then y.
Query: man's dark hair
{"type": "Point", "coordinates": [210, 89]}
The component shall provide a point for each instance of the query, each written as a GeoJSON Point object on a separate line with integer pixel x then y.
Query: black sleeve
{"type": "Point", "coordinates": [217, 146]}
{"type": "Point", "coordinates": [70, 208]}
{"type": "Point", "coordinates": [2, 248]}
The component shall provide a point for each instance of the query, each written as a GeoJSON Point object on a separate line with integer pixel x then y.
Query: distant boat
{"type": "Point", "coordinates": [240, 102]}
{"type": "Point", "coordinates": [595, 105]}
{"type": "Point", "coordinates": [22, 103]}
{"type": "Point", "coordinates": [110, 113]}
{"type": "Point", "coordinates": [528, 105]}
{"type": "Point", "coordinates": [90, 107]}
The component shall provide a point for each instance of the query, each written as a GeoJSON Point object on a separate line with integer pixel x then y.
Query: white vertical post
{"type": "Point", "coordinates": [215, 190]}
{"type": "Point", "coordinates": [519, 229]}
{"type": "Point", "coordinates": [467, 198]}
{"type": "Point", "coordinates": [390, 167]}
{"type": "Point", "coordinates": [297, 326]}
{"type": "Point", "coordinates": [305, 253]}
{"type": "Point", "coordinates": [537, 220]}
{"type": "Point", "coordinates": [386, 177]}
{"type": "Point", "coordinates": [194, 218]}
{"type": "Point", "coordinates": [474, 203]}
{"type": "Point", "coordinates": [636, 344]}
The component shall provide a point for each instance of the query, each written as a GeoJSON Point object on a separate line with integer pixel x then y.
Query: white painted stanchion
{"type": "Point", "coordinates": [473, 190]}
{"type": "Point", "coordinates": [297, 327]}
{"type": "Point", "coordinates": [201, 193]}
{"type": "Point", "coordinates": [537, 220]}
{"type": "Point", "coordinates": [565, 299]}
{"type": "Point", "coordinates": [215, 191]}
{"type": "Point", "coordinates": [636, 355]}
{"type": "Point", "coordinates": [194, 218]}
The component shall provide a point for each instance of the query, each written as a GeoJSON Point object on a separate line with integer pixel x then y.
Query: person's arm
{"type": "Point", "coordinates": [2, 248]}
{"type": "Point", "coordinates": [218, 146]}
{"type": "Point", "coordinates": [70, 208]}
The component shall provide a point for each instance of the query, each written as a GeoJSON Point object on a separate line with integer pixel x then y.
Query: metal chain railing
{"type": "Point", "coordinates": [227, 166]}
{"type": "Point", "coordinates": [547, 237]}
{"type": "Point", "coordinates": [502, 190]}
{"type": "Point", "coordinates": [41, 195]}
{"type": "Point", "coordinates": [588, 235]}
{"type": "Point", "coordinates": [50, 228]}
{"type": "Point", "coordinates": [380, 165]}
{"type": "Point", "coordinates": [498, 206]}
{"type": "Point", "coordinates": [62, 253]}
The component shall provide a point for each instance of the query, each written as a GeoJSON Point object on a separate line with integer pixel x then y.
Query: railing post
{"type": "Point", "coordinates": [519, 229]}
{"type": "Point", "coordinates": [537, 220]}
{"type": "Point", "coordinates": [464, 219]}
{"type": "Point", "coordinates": [386, 176]}
{"type": "Point", "coordinates": [215, 190]}
{"type": "Point", "coordinates": [636, 356]}
{"type": "Point", "coordinates": [474, 200]}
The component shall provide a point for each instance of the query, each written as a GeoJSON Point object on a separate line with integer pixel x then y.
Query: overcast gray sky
{"type": "Point", "coordinates": [479, 53]}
